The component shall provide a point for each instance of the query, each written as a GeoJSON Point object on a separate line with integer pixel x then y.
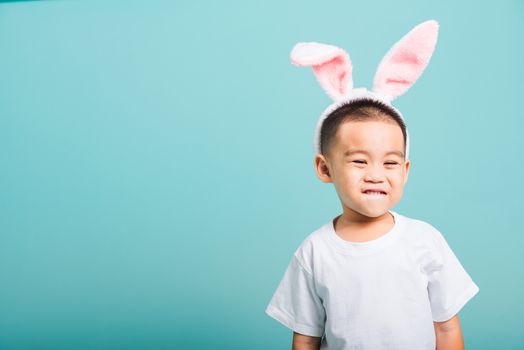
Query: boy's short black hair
{"type": "Point", "coordinates": [361, 110]}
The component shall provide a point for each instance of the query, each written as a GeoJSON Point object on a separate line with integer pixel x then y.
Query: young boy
{"type": "Point", "coordinates": [370, 278]}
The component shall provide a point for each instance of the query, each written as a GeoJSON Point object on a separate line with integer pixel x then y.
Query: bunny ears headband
{"type": "Point", "coordinates": [397, 72]}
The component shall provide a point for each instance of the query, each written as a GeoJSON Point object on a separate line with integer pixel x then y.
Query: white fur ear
{"type": "Point", "coordinates": [406, 60]}
{"type": "Point", "coordinates": [331, 66]}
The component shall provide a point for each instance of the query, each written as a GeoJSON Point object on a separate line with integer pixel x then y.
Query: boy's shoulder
{"type": "Point", "coordinates": [314, 244]}
{"type": "Point", "coordinates": [418, 229]}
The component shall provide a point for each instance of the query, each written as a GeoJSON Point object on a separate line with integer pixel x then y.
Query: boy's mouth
{"type": "Point", "coordinates": [375, 192]}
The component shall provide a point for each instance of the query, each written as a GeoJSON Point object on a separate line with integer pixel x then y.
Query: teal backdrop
{"type": "Point", "coordinates": [157, 163]}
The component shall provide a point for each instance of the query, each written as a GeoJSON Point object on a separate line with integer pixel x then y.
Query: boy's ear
{"type": "Point", "coordinates": [407, 165]}
{"type": "Point", "coordinates": [406, 60]}
{"type": "Point", "coordinates": [322, 169]}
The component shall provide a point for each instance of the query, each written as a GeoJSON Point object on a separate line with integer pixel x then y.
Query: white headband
{"type": "Point", "coordinates": [397, 72]}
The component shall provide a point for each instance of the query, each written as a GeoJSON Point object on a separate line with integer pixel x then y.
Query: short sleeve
{"type": "Point", "coordinates": [296, 304]}
{"type": "Point", "coordinates": [449, 285]}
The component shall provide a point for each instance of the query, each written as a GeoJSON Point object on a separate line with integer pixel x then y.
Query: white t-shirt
{"type": "Point", "coordinates": [380, 294]}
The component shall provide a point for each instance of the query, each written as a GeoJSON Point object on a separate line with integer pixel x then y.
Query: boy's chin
{"type": "Point", "coordinates": [373, 213]}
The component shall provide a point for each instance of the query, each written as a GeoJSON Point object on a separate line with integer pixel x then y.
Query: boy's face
{"type": "Point", "coordinates": [359, 160]}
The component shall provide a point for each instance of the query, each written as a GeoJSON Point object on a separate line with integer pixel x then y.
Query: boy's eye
{"type": "Point", "coordinates": [363, 161]}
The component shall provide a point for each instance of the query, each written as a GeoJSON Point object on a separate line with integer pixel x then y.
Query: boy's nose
{"type": "Point", "coordinates": [374, 178]}
{"type": "Point", "coordinates": [374, 173]}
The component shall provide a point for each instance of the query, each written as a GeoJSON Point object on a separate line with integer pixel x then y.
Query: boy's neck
{"type": "Point", "coordinates": [355, 227]}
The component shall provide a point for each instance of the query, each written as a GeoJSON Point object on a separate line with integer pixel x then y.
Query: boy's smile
{"type": "Point", "coordinates": [366, 164]}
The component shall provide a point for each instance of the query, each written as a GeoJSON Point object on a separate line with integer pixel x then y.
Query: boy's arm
{"type": "Point", "coordinates": [449, 334]}
{"type": "Point", "coordinates": [305, 342]}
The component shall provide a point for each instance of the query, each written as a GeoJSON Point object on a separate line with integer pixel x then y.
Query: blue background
{"type": "Point", "coordinates": [157, 163]}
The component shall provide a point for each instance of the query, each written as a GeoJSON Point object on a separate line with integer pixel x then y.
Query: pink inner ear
{"type": "Point", "coordinates": [406, 60]}
{"type": "Point", "coordinates": [331, 65]}
{"type": "Point", "coordinates": [333, 76]}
